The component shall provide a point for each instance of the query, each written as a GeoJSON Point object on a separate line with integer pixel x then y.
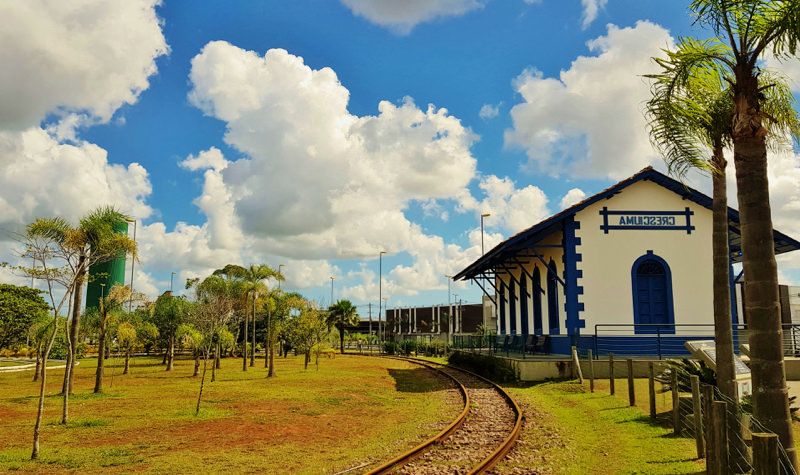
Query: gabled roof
{"type": "Point", "coordinates": [541, 230]}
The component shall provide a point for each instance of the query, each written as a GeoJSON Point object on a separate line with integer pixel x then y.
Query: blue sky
{"type": "Point", "coordinates": [315, 134]}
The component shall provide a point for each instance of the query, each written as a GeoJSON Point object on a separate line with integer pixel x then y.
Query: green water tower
{"type": "Point", "coordinates": [106, 273]}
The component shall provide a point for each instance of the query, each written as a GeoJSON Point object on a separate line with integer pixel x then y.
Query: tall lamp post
{"type": "Point", "coordinates": [332, 290]}
{"type": "Point", "coordinates": [380, 293]}
{"type": "Point", "coordinates": [449, 277]}
{"type": "Point", "coordinates": [483, 216]}
{"type": "Point", "coordinates": [455, 315]}
{"type": "Point", "coordinates": [133, 262]}
{"type": "Point", "coordinates": [279, 271]}
{"type": "Point", "coordinates": [170, 281]}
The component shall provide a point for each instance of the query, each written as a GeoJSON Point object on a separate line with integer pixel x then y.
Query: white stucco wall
{"type": "Point", "coordinates": [607, 258]}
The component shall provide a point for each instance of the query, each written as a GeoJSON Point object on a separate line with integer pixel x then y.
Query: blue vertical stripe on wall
{"type": "Point", "coordinates": [512, 302]}
{"type": "Point", "coordinates": [502, 307]}
{"type": "Point", "coordinates": [523, 304]}
{"type": "Point", "coordinates": [552, 299]}
{"type": "Point", "coordinates": [537, 301]}
{"type": "Point", "coordinates": [571, 274]}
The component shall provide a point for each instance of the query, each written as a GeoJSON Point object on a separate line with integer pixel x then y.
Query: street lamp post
{"type": "Point", "coordinates": [279, 271]}
{"type": "Point", "coordinates": [483, 216]}
{"type": "Point", "coordinates": [455, 315]}
{"type": "Point", "coordinates": [170, 281]}
{"type": "Point", "coordinates": [133, 263]}
{"type": "Point", "coordinates": [448, 287]}
{"type": "Point", "coordinates": [332, 290]}
{"type": "Point", "coordinates": [380, 293]}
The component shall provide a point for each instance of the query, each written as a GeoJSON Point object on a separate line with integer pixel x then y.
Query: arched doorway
{"type": "Point", "coordinates": [652, 295]}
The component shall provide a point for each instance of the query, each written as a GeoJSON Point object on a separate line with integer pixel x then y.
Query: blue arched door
{"type": "Point", "coordinates": [652, 295]}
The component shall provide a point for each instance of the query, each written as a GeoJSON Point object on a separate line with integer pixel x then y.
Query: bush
{"type": "Point", "coordinates": [408, 346]}
{"type": "Point", "coordinates": [390, 347]}
{"type": "Point", "coordinates": [433, 348]}
{"type": "Point", "coordinates": [496, 369]}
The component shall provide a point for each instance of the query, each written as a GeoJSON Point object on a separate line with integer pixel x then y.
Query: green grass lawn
{"type": "Point", "coordinates": [572, 431]}
{"type": "Point", "coordinates": [352, 411]}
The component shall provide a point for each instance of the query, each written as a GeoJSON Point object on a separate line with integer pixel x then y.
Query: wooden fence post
{"type": "Point", "coordinates": [611, 372]}
{"type": "Point", "coordinates": [676, 413]}
{"type": "Point", "coordinates": [631, 389]}
{"type": "Point", "coordinates": [719, 426]}
{"type": "Point", "coordinates": [591, 371]}
{"type": "Point", "coordinates": [765, 454]}
{"type": "Point", "coordinates": [708, 400]}
{"type": "Point", "coordinates": [577, 363]}
{"type": "Point", "coordinates": [698, 417]}
{"type": "Point", "coordinates": [652, 384]}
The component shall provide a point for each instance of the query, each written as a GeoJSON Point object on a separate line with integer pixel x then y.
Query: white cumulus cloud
{"type": "Point", "coordinates": [402, 16]}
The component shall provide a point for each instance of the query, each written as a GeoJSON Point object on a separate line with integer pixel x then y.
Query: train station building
{"type": "Point", "coordinates": [628, 270]}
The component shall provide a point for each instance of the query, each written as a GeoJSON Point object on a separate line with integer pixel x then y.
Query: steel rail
{"type": "Point", "coordinates": [501, 451]}
{"type": "Point", "coordinates": [409, 455]}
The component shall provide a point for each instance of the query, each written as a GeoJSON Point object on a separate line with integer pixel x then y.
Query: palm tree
{"type": "Point", "coordinates": [254, 277]}
{"type": "Point", "coordinates": [342, 314]}
{"type": "Point", "coordinates": [688, 118]}
{"type": "Point", "coordinates": [750, 29]}
{"type": "Point", "coordinates": [746, 30]}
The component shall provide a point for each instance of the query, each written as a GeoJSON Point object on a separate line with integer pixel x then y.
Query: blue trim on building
{"type": "Point", "coordinates": [537, 300]}
{"type": "Point", "coordinates": [523, 305]}
{"type": "Point", "coordinates": [570, 258]}
{"type": "Point", "coordinates": [512, 297]}
{"type": "Point", "coordinates": [553, 320]}
{"type": "Point", "coordinates": [501, 322]}
{"type": "Point", "coordinates": [669, 325]}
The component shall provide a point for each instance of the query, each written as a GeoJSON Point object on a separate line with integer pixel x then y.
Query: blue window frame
{"type": "Point", "coordinates": [552, 299]}
{"type": "Point", "coordinates": [523, 304]}
{"type": "Point", "coordinates": [537, 301]}
{"type": "Point", "coordinates": [651, 282]}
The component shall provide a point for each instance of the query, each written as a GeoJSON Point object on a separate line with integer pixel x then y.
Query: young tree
{"type": "Point", "coordinates": [168, 313]}
{"type": "Point", "coordinates": [110, 304]}
{"type": "Point", "coordinates": [307, 329]}
{"type": "Point", "coordinates": [746, 30]}
{"type": "Point", "coordinates": [342, 314]}
{"type": "Point", "coordinates": [215, 307]}
{"type": "Point", "coordinates": [690, 124]}
{"type": "Point", "coordinates": [20, 307]}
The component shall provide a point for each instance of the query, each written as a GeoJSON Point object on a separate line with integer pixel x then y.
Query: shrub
{"type": "Point", "coordinates": [390, 347]}
{"type": "Point", "coordinates": [497, 369]}
{"type": "Point", "coordinates": [408, 346]}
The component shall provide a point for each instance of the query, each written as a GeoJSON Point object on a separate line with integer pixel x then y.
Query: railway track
{"type": "Point", "coordinates": [481, 435]}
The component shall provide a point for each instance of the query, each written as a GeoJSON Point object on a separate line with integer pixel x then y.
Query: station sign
{"type": "Point", "coordinates": [647, 220]}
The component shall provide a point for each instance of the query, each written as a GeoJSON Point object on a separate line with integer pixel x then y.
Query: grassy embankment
{"type": "Point", "coordinates": [571, 430]}
{"type": "Point", "coordinates": [353, 410]}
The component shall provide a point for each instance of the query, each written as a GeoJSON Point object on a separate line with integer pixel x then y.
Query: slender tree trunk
{"type": "Point", "coordinates": [37, 427]}
{"type": "Point", "coordinates": [214, 364]}
{"type": "Point", "coordinates": [196, 364]}
{"type": "Point", "coordinates": [101, 350]}
{"type": "Point", "coordinates": [77, 302]}
{"type": "Point", "coordinates": [203, 380]}
{"type": "Point", "coordinates": [244, 341]}
{"type": "Point", "coordinates": [738, 461]}
{"type": "Point", "coordinates": [272, 344]}
{"type": "Point", "coordinates": [770, 394]}
{"type": "Point", "coordinates": [253, 354]}
{"type": "Point", "coordinates": [38, 361]}
{"type": "Point", "coordinates": [171, 351]}
{"type": "Point", "coordinates": [218, 356]}
{"type": "Point", "coordinates": [341, 339]}
{"type": "Point", "coordinates": [267, 341]}
{"type": "Point", "coordinates": [68, 363]}
{"type": "Point", "coordinates": [127, 361]}
{"type": "Point", "coordinates": [166, 353]}
{"type": "Point", "coordinates": [306, 359]}
{"type": "Point", "coordinates": [235, 339]}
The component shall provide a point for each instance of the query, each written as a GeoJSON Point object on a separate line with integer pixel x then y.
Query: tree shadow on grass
{"type": "Point", "coordinates": [419, 380]}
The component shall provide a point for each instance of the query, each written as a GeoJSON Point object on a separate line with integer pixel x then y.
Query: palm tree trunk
{"type": "Point", "coordinates": [101, 350]}
{"type": "Point", "coordinates": [770, 394]}
{"type": "Point", "coordinates": [244, 341]}
{"type": "Point", "coordinates": [127, 361]}
{"type": "Point", "coordinates": [77, 302]}
{"type": "Point", "coordinates": [253, 354]}
{"type": "Point", "coordinates": [738, 461]}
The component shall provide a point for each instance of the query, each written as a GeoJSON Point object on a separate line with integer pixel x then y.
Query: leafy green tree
{"type": "Point", "coordinates": [341, 315]}
{"type": "Point", "coordinates": [280, 306]}
{"type": "Point", "coordinates": [308, 329]}
{"type": "Point", "coordinates": [110, 305]}
{"type": "Point", "coordinates": [20, 307]}
{"type": "Point", "coordinates": [747, 30]}
{"type": "Point", "coordinates": [168, 313]}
